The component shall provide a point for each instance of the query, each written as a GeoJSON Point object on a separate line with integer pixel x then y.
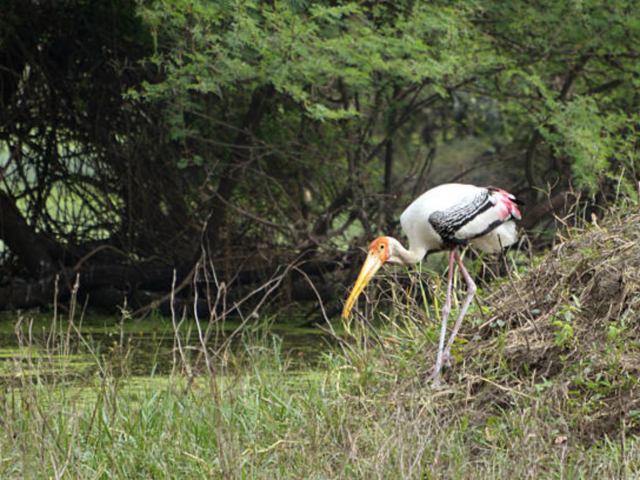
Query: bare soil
{"type": "Point", "coordinates": [569, 336]}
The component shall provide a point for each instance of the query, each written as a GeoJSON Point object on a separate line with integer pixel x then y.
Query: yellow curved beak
{"type": "Point", "coordinates": [371, 265]}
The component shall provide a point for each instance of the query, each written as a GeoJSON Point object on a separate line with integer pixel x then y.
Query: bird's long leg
{"type": "Point", "coordinates": [435, 375]}
{"type": "Point", "coordinates": [471, 291]}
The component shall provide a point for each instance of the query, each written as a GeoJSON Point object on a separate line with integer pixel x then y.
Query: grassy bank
{"type": "Point", "coordinates": [544, 386]}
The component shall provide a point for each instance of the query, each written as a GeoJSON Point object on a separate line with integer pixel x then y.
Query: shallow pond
{"type": "Point", "coordinates": [142, 347]}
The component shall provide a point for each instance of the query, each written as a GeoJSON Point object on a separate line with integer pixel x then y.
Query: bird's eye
{"type": "Point", "coordinates": [382, 246]}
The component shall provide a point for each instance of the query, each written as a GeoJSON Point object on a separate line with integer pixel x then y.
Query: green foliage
{"type": "Point", "coordinates": [355, 71]}
{"type": "Point", "coordinates": [578, 66]}
{"type": "Point", "coordinates": [564, 334]}
{"type": "Point", "coordinates": [209, 47]}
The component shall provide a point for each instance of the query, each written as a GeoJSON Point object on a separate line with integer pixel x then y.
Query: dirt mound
{"type": "Point", "coordinates": [568, 332]}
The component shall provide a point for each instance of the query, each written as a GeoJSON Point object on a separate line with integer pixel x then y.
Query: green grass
{"type": "Point", "coordinates": [363, 415]}
{"type": "Point", "coordinates": [545, 385]}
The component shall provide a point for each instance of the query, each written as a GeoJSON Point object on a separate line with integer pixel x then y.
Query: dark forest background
{"type": "Point", "coordinates": [253, 147]}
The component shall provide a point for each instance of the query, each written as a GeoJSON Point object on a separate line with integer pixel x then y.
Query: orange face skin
{"type": "Point", "coordinates": [377, 256]}
{"type": "Point", "coordinates": [380, 248]}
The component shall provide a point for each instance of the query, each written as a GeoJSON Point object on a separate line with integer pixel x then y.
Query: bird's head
{"type": "Point", "coordinates": [378, 253]}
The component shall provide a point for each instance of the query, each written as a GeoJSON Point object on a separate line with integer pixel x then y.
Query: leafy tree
{"type": "Point", "coordinates": [133, 134]}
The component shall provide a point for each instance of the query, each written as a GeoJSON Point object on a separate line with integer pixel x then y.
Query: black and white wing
{"type": "Point", "coordinates": [474, 216]}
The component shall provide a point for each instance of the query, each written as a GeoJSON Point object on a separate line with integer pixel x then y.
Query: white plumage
{"type": "Point", "coordinates": [445, 217]}
{"type": "Point", "coordinates": [498, 239]}
{"type": "Point", "coordinates": [420, 231]}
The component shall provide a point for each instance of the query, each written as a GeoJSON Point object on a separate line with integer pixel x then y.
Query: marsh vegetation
{"type": "Point", "coordinates": [545, 384]}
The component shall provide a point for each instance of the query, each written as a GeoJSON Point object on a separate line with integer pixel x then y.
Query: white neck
{"type": "Point", "coordinates": [401, 256]}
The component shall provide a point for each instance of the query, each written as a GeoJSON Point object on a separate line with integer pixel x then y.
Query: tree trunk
{"type": "Point", "coordinates": [229, 177]}
{"type": "Point", "coordinates": [22, 239]}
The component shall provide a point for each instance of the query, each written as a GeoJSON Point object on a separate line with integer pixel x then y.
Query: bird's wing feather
{"type": "Point", "coordinates": [475, 216]}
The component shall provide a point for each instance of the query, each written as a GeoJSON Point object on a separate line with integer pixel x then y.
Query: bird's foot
{"type": "Point", "coordinates": [446, 358]}
{"type": "Point", "coordinates": [434, 380]}
{"type": "Point", "coordinates": [434, 377]}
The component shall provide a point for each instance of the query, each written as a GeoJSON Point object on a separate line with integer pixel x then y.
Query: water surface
{"type": "Point", "coordinates": [142, 347]}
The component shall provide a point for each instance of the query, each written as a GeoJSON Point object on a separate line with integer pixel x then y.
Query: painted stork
{"type": "Point", "coordinates": [444, 218]}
